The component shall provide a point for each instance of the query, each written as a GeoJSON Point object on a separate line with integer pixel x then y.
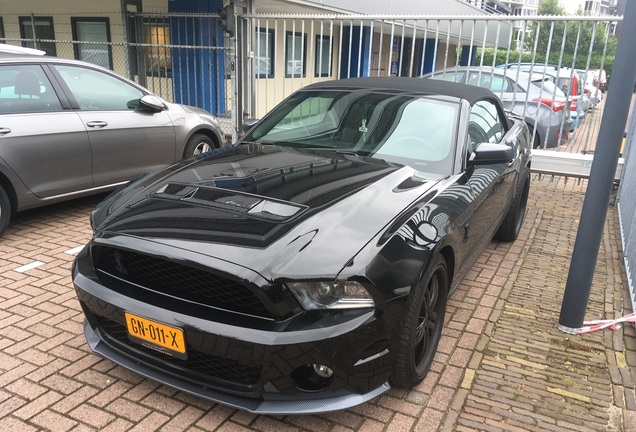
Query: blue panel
{"type": "Point", "coordinates": [466, 52]}
{"type": "Point", "coordinates": [429, 56]}
{"type": "Point", "coordinates": [349, 66]}
{"type": "Point", "coordinates": [196, 72]}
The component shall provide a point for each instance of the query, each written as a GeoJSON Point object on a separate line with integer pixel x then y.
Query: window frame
{"type": "Point", "coordinates": [76, 46]}
{"type": "Point", "coordinates": [24, 21]}
{"type": "Point", "coordinates": [147, 53]}
{"type": "Point", "coordinates": [322, 39]}
{"type": "Point", "coordinates": [503, 124]}
{"type": "Point", "coordinates": [288, 47]}
{"type": "Point", "coordinates": [271, 33]}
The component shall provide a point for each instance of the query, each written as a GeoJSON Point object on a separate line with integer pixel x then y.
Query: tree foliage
{"type": "Point", "coordinates": [577, 40]}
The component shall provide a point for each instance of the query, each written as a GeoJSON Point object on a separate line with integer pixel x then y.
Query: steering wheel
{"type": "Point", "coordinates": [415, 145]}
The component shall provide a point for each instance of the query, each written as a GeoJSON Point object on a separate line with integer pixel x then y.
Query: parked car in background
{"type": "Point", "coordinates": [540, 103]}
{"type": "Point", "coordinates": [568, 80]}
{"type": "Point", "coordinates": [591, 90]}
{"type": "Point", "coordinates": [307, 266]}
{"type": "Point", "coordinates": [70, 129]}
{"type": "Point", "coordinates": [599, 78]}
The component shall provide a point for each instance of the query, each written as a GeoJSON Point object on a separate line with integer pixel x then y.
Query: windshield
{"type": "Point", "coordinates": [415, 131]}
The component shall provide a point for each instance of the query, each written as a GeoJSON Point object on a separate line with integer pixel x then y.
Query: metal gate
{"type": "Point", "coordinates": [285, 52]}
{"type": "Point", "coordinates": [627, 205]}
{"type": "Point", "coordinates": [184, 58]}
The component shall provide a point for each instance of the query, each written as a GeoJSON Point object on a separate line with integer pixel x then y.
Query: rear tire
{"type": "Point", "coordinates": [5, 210]}
{"type": "Point", "coordinates": [537, 140]}
{"type": "Point", "coordinates": [511, 225]}
{"type": "Point", "coordinates": [421, 326]}
{"type": "Point", "coordinates": [197, 144]}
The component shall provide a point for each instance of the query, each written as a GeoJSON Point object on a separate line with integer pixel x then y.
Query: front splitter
{"type": "Point", "coordinates": [256, 406]}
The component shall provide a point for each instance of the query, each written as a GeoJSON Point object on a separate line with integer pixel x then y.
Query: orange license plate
{"type": "Point", "coordinates": [159, 337]}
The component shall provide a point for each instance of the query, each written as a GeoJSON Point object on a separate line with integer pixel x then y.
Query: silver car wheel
{"type": "Point", "coordinates": [202, 147]}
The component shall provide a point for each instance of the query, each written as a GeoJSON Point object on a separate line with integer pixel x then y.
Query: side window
{"type": "Point", "coordinates": [26, 89]}
{"type": "Point", "coordinates": [95, 90]}
{"type": "Point", "coordinates": [41, 28]}
{"type": "Point", "coordinates": [94, 36]}
{"type": "Point", "coordinates": [264, 61]}
{"type": "Point", "coordinates": [484, 124]}
{"type": "Point", "coordinates": [449, 76]}
{"type": "Point", "coordinates": [495, 83]}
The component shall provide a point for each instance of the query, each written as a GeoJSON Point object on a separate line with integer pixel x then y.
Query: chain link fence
{"type": "Point", "coordinates": [184, 58]}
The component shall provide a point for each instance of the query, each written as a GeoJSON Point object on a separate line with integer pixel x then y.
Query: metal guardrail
{"type": "Point", "coordinates": [626, 202]}
{"type": "Point", "coordinates": [575, 165]}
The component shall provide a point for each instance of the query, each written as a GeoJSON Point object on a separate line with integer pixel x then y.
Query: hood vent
{"type": "Point", "coordinates": [231, 200]}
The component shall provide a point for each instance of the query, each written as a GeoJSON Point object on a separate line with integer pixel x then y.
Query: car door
{"type": "Point", "coordinates": [125, 139]}
{"type": "Point", "coordinates": [43, 143]}
{"type": "Point", "coordinates": [491, 184]}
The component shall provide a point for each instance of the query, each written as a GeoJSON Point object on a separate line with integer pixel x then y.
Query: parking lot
{"type": "Point", "coordinates": [501, 364]}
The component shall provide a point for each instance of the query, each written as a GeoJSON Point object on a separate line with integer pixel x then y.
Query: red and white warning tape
{"type": "Point", "coordinates": [614, 324]}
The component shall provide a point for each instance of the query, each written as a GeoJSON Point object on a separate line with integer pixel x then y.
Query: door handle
{"type": "Point", "coordinates": [4, 131]}
{"type": "Point", "coordinates": [96, 124]}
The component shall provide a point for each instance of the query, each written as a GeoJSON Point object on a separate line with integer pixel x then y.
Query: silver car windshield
{"type": "Point", "coordinates": [416, 131]}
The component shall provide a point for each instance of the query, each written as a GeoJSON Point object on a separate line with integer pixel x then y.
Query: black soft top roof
{"type": "Point", "coordinates": [415, 86]}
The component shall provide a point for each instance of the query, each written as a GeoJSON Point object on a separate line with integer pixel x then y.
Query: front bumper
{"type": "Point", "coordinates": [255, 369]}
{"type": "Point", "coordinates": [274, 407]}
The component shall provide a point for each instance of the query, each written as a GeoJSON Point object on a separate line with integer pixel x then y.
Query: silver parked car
{"type": "Point", "coordinates": [70, 129]}
{"type": "Point", "coordinates": [538, 101]}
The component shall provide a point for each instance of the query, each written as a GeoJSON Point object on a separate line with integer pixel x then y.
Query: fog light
{"type": "Point", "coordinates": [322, 371]}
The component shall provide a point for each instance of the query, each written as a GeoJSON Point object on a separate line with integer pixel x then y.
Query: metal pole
{"type": "Point", "coordinates": [588, 238]}
{"type": "Point", "coordinates": [35, 39]}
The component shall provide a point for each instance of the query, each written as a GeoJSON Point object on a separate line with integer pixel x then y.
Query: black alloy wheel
{"type": "Point", "coordinates": [422, 326]}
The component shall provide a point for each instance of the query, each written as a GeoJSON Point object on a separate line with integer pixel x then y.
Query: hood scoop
{"type": "Point", "coordinates": [230, 200]}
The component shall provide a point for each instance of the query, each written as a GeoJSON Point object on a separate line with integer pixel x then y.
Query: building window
{"type": "Point", "coordinates": [158, 55]}
{"type": "Point", "coordinates": [264, 61]}
{"type": "Point", "coordinates": [2, 30]}
{"type": "Point", "coordinates": [43, 27]}
{"type": "Point", "coordinates": [295, 58]}
{"type": "Point", "coordinates": [93, 35]}
{"type": "Point", "coordinates": [323, 56]}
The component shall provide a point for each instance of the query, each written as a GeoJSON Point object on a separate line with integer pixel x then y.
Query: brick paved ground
{"type": "Point", "coordinates": [502, 365]}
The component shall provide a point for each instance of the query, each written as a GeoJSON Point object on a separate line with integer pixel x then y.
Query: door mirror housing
{"type": "Point", "coordinates": [151, 103]}
{"type": "Point", "coordinates": [489, 153]}
{"type": "Point", "coordinates": [249, 123]}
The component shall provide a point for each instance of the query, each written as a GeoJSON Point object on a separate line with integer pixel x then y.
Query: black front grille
{"type": "Point", "coordinates": [178, 280]}
{"type": "Point", "coordinates": [201, 366]}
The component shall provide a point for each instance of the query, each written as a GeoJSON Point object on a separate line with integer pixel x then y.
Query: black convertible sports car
{"type": "Point", "coordinates": [308, 266]}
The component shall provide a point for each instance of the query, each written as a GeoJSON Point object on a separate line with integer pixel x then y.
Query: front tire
{"type": "Point", "coordinates": [197, 144]}
{"type": "Point", "coordinates": [511, 225]}
{"type": "Point", "coordinates": [5, 210]}
{"type": "Point", "coordinates": [421, 326]}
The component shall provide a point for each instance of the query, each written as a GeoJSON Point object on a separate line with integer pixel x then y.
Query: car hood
{"type": "Point", "coordinates": [278, 211]}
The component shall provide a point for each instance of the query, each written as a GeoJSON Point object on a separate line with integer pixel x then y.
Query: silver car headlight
{"type": "Point", "coordinates": [331, 294]}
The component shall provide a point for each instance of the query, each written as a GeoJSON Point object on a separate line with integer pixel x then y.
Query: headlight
{"type": "Point", "coordinates": [331, 295]}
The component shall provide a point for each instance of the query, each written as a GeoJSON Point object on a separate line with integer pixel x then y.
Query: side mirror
{"type": "Point", "coordinates": [249, 123]}
{"type": "Point", "coordinates": [151, 103]}
{"type": "Point", "coordinates": [488, 153]}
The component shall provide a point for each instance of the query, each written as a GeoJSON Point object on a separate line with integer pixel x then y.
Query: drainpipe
{"type": "Point", "coordinates": [35, 39]}
{"type": "Point", "coordinates": [597, 197]}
